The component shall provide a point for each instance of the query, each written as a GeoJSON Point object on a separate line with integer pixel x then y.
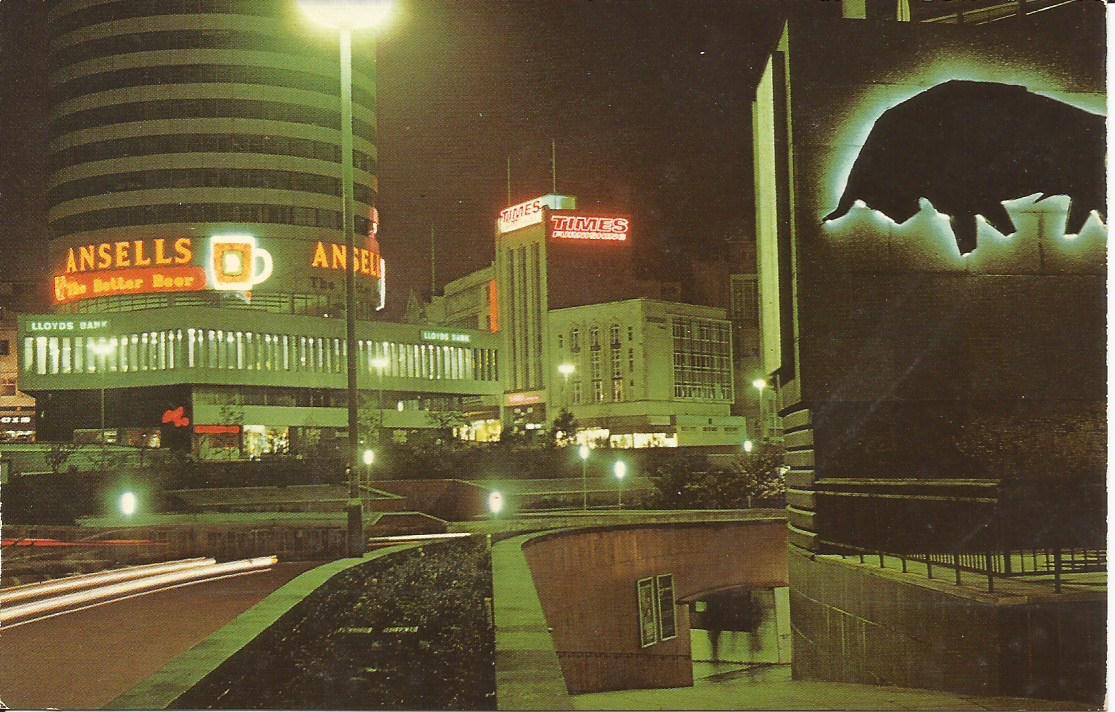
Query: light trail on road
{"type": "Point", "coordinates": [120, 599]}
{"type": "Point", "coordinates": [116, 590]}
{"type": "Point", "coordinates": [40, 589]}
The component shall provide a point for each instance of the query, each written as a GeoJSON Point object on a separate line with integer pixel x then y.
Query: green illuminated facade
{"type": "Point", "coordinates": [234, 371]}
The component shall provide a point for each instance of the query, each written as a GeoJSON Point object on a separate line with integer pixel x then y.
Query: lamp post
{"type": "Point", "coordinates": [103, 348]}
{"type": "Point", "coordinates": [369, 458]}
{"type": "Point", "coordinates": [621, 470]}
{"type": "Point", "coordinates": [566, 370]}
{"type": "Point", "coordinates": [346, 16]}
{"type": "Point", "coordinates": [583, 452]}
{"type": "Point", "coordinates": [760, 385]}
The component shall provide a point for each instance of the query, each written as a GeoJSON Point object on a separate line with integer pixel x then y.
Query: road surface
{"type": "Point", "coordinates": [87, 658]}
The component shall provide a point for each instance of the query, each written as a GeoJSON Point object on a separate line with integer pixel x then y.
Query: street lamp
{"type": "Point", "coordinates": [760, 385]}
{"type": "Point", "coordinates": [128, 504]}
{"type": "Point", "coordinates": [347, 16]}
{"type": "Point", "coordinates": [583, 452]}
{"type": "Point", "coordinates": [369, 458]}
{"type": "Point", "coordinates": [566, 370]}
{"type": "Point", "coordinates": [495, 503]}
{"type": "Point", "coordinates": [103, 349]}
{"type": "Point", "coordinates": [748, 446]}
{"type": "Point", "coordinates": [621, 470]}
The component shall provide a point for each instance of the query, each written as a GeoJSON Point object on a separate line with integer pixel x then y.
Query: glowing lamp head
{"type": "Point", "coordinates": [566, 369]}
{"type": "Point", "coordinates": [759, 384]}
{"type": "Point", "coordinates": [128, 504]}
{"type": "Point", "coordinates": [379, 363]}
{"type": "Point", "coordinates": [583, 452]}
{"type": "Point", "coordinates": [369, 457]}
{"type": "Point", "coordinates": [347, 15]}
{"type": "Point", "coordinates": [748, 446]}
{"type": "Point", "coordinates": [620, 468]}
{"type": "Point", "coordinates": [495, 502]}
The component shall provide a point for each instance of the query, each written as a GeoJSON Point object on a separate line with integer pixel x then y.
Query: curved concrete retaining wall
{"type": "Point", "coordinates": [584, 581]}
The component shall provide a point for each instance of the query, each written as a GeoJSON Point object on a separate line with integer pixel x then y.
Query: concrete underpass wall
{"type": "Point", "coordinates": [855, 624]}
{"type": "Point", "coordinates": [586, 581]}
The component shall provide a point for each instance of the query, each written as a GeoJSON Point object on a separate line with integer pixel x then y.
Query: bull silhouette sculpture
{"type": "Point", "coordinates": [967, 146]}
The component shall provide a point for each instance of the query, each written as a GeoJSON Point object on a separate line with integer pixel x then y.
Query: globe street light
{"type": "Point", "coordinates": [128, 504]}
{"type": "Point", "coordinates": [495, 503]}
{"type": "Point", "coordinates": [369, 457]}
{"type": "Point", "coordinates": [583, 452]}
{"type": "Point", "coordinates": [620, 470]}
{"type": "Point", "coordinates": [103, 349]}
{"type": "Point", "coordinates": [347, 16]}
{"type": "Point", "coordinates": [566, 370]}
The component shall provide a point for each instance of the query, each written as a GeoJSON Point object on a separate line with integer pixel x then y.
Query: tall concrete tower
{"type": "Point", "coordinates": [195, 159]}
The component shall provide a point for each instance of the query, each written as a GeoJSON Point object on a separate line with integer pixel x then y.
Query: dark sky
{"type": "Point", "coordinates": [648, 103]}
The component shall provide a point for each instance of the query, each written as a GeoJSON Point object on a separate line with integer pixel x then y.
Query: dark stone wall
{"type": "Point", "coordinates": [855, 625]}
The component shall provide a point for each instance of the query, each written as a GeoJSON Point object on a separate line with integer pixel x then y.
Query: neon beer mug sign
{"type": "Point", "coordinates": [237, 263]}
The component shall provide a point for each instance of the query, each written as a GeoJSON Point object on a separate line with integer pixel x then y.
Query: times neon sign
{"type": "Point", "coordinates": [529, 212]}
{"type": "Point", "coordinates": [589, 227]}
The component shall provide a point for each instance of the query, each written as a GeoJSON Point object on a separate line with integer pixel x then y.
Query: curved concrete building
{"type": "Point", "coordinates": [201, 139]}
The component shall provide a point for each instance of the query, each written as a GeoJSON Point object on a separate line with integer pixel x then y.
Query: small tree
{"type": "Point", "coordinates": [564, 429]}
{"type": "Point", "coordinates": [688, 481]}
{"type": "Point", "coordinates": [446, 425]}
{"type": "Point", "coordinates": [370, 418]}
{"type": "Point", "coordinates": [760, 474]}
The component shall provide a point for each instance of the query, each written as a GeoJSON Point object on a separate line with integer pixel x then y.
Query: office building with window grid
{"type": "Point", "coordinates": [581, 333]}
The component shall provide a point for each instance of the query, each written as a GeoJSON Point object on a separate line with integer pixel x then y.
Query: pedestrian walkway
{"type": "Point", "coordinates": [770, 687]}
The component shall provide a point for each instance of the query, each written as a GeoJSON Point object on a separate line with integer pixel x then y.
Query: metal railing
{"type": "Point", "coordinates": [999, 564]}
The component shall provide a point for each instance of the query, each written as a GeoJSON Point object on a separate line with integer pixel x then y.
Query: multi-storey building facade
{"type": "Point", "coordinates": [197, 250]}
{"type": "Point", "coordinates": [187, 133]}
{"type": "Point", "coordinates": [645, 373]}
{"type": "Point", "coordinates": [17, 409]}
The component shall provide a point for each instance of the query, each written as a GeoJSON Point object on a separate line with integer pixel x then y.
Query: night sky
{"type": "Point", "coordinates": [648, 102]}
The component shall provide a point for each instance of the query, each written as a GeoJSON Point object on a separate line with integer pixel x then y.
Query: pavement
{"type": "Point", "coordinates": [770, 687]}
{"type": "Point", "coordinates": [84, 659]}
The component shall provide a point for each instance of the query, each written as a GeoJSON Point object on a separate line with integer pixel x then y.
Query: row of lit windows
{"type": "Point", "coordinates": [204, 178]}
{"type": "Point", "coordinates": [208, 108]}
{"type": "Point", "coordinates": [702, 335]}
{"type": "Point", "coordinates": [205, 143]}
{"type": "Point", "coordinates": [249, 351]}
{"type": "Point", "coordinates": [238, 39]}
{"type": "Point", "coordinates": [614, 332]}
{"type": "Point", "coordinates": [702, 359]}
{"type": "Point", "coordinates": [203, 212]}
{"type": "Point", "coordinates": [597, 392]}
{"type": "Point", "coordinates": [207, 74]}
{"type": "Point", "coordinates": [301, 304]}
